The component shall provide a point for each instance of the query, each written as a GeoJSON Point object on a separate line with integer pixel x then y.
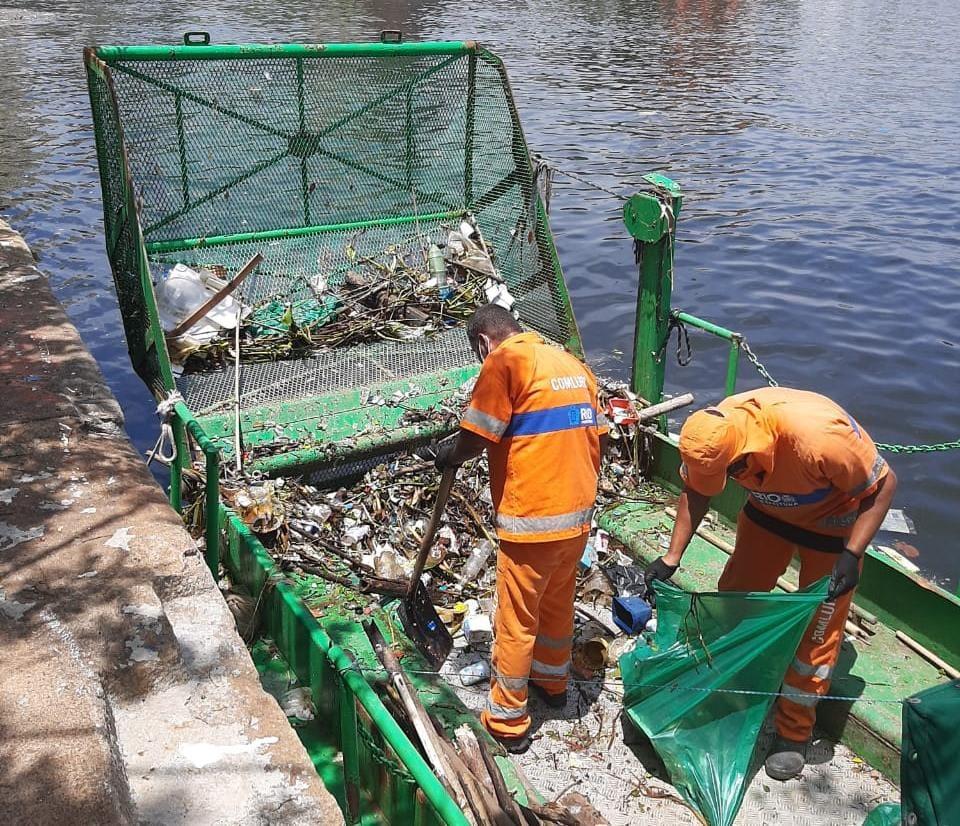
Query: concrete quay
{"type": "Point", "coordinates": [127, 695]}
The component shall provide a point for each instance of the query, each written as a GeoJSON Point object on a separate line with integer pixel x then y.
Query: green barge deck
{"type": "Point", "coordinates": [313, 156]}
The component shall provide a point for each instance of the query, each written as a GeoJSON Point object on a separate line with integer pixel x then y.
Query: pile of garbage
{"type": "Point", "coordinates": [365, 537]}
{"type": "Point", "coordinates": [407, 290]}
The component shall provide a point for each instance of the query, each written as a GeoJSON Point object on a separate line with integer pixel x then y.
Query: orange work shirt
{"type": "Point", "coordinates": [809, 463]}
{"type": "Point", "coordinates": [537, 405]}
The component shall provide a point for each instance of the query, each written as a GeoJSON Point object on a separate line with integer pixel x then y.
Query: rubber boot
{"type": "Point", "coordinates": [548, 699]}
{"type": "Point", "coordinates": [514, 745]}
{"type": "Point", "coordinates": [786, 759]}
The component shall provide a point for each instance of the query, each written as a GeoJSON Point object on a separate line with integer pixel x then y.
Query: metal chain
{"type": "Point", "coordinates": [887, 448]}
{"type": "Point", "coordinates": [752, 358]}
{"type": "Point", "coordinates": [955, 445]}
{"type": "Point", "coordinates": [398, 770]}
{"type": "Point", "coordinates": [540, 160]}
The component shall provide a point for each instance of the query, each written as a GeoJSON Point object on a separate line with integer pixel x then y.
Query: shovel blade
{"type": "Point", "coordinates": [423, 626]}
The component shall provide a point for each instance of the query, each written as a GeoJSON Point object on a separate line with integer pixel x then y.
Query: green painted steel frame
{"type": "Point", "coordinates": [733, 357]}
{"type": "Point", "coordinates": [260, 51]}
{"type": "Point", "coordinates": [339, 690]}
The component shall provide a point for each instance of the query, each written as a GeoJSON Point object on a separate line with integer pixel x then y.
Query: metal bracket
{"type": "Point", "coordinates": [196, 39]}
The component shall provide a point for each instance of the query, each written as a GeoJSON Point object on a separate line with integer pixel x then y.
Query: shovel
{"type": "Point", "coordinates": [420, 620]}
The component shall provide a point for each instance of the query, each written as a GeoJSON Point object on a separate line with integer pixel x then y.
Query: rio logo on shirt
{"type": "Point", "coordinates": [568, 382]}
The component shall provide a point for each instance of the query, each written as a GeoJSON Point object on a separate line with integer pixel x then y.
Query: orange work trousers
{"type": "Point", "coordinates": [759, 558]}
{"type": "Point", "coordinates": [533, 627]}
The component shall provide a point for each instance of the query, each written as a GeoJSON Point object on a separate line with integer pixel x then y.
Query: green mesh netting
{"type": "Point", "coordinates": [300, 153]}
{"type": "Point", "coordinates": [703, 690]}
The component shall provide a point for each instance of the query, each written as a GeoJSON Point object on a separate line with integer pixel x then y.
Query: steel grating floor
{"type": "Point", "coordinates": [362, 366]}
{"type": "Point", "coordinates": [584, 748]}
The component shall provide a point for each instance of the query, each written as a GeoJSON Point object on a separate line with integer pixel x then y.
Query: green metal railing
{"type": "Point", "coordinates": [340, 691]}
{"type": "Point", "coordinates": [735, 339]}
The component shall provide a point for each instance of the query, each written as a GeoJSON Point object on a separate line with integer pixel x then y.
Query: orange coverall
{"type": "Point", "coordinates": [810, 465]}
{"type": "Point", "coordinates": [538, 406]}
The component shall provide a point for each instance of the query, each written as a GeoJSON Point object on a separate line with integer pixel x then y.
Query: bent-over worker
{"type": "Point", "coordinates": [818, 488]}
{"type": "Point", "coordinates": [534, 410]}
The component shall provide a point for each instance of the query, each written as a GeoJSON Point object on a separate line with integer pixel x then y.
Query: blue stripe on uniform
{"type": "Point", "coordinates": [552, 419]}
{"type": "Point", "coordinates": [790, 500]}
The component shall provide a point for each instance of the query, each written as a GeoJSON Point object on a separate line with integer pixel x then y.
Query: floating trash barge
{"type": "Point", "coordinates": [339, 168]}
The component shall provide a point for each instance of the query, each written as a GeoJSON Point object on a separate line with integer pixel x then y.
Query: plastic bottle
{"type": "Point", "coordinates": [437, 266]}
{"type": "Point", "coordinates": [477, 559]}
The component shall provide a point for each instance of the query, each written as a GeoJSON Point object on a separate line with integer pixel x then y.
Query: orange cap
{"type": "Point", "coordinates": [709, 442]}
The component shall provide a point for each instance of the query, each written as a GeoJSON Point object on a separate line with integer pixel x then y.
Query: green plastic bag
{"type": "Point", "coordinates": [929, 772]}
{"type": "Point", "coordinates": [702, 690]}
{"type": "Point", "coordinates": [886, 814]}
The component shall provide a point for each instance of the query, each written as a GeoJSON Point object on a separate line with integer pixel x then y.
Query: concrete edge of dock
{"type": "Point", "coordinates": [127, 695]}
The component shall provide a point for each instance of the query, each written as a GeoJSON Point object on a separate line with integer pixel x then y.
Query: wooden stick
{"type": "Point", "coordinates": [655, 410]}
{"type": "Point", "coordinates": [484, 805]}
{"type": "Point", "coordinates": [929, 656]}
{"type": "Point", "coordinates": [590, 615]}
{"type": "Point", "coordinates": [216, 298]}
{"type": "Point", "coordinates": [499, 784]}
{"type": "Point", "coordinates": [782, 582]}
{"type": "Point", "coordinates": [417, 714]}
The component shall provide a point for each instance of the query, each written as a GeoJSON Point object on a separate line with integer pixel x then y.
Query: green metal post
{"type": "Point", "coordinates": [650, 217]}
{"type": "Point", "coordinates": [732, 363]}
{"type": "Point", "coordinates": [176, 466]}
{"type": "Point", "coordinates": [350, 750]}
{"type": "Point", "coordinates": [184, 418]}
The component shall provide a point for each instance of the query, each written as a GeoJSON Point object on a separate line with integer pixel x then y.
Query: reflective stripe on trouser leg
{"type": "Point", "coordinates": [551, 650]}
{"type": "Point", "coordinates": [808, 677]}
{"type": "Point", "coordinates": [524, 571]}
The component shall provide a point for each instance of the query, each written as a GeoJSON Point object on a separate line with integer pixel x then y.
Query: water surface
{"type": "Point", "coordinates": [816, 143]}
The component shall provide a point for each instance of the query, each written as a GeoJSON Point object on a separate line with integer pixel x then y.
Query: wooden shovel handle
{"type": "Point", "coordinates": [216, 298]}
{"type": "Point", "coordinates": [443, 494]}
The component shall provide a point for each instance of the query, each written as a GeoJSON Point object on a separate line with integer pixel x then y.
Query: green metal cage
{"type": "Point", "coordinates": [312, 154]}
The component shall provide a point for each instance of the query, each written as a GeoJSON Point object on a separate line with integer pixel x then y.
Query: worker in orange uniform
{"type": "Point", "coordinates": [534, 410]}
{"type": "Point", "coordinates": [818, 488]}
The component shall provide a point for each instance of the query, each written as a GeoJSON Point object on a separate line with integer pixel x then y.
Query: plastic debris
{"type": "Point", "coordinates": [474, 673]}
{"type": "Point", "coordinates": [478, 629]}
{"type": "Point", "coordinates": [298, 704]}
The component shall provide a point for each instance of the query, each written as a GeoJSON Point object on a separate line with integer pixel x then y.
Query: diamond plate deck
{"type": "Point", "coordinates": [589, 748]}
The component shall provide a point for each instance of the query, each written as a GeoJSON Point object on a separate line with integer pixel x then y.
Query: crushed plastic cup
{"type": "Point", "coordinates": [474, 673]}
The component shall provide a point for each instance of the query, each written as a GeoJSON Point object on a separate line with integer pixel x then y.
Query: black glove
{"type": "Point", "coordinates": [445, 451]}
{"type": "Point", "coordinates": [845, 575]}
{"type": "Point", "coordinates": [658, 569]}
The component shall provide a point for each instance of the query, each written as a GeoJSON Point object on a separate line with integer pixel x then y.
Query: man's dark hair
{"type": "Point", "coordinates": [493, 320]}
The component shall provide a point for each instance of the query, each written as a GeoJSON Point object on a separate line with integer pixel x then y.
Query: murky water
{"type": "Point", "coordinates": [816, 142]}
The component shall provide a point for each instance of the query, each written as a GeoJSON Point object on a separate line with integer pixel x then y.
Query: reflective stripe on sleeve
{"type": "Point", "coordinates": [503, 713]}
{"type": "Point", "coordinates": [878, 465]}
{"type": "Point", "coordinates": [543, 524]}
{"type": "Point", "coordinates": [821, 672]}
{"type": "Point", "coordinates": [538, 667]}
{"type": "Point", "coordinates": [486, 422]}
{"type": "Point", "coordinates": [797, 695]}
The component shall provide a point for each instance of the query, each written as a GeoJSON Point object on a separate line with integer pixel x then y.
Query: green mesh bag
{"type": "Point", "coordinates": [702, 690]}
